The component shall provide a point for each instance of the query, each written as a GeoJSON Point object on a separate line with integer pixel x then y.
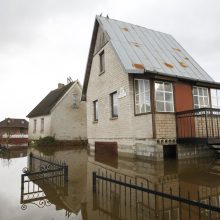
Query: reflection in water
{"type": "Point", "coordinates": [197, 179]}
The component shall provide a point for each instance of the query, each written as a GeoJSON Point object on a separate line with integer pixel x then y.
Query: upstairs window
{"type": "Point", "coordinates": [102, 62]}
{"type": "Point", "coordinates": [114, 104]}
{"type": "Point", "coordinates": [164, 97]}
{"type": "Point", "coordinates": [200, 97]}
{"type": "Point", "coordinates": [75, 101]}
{"type": "Point", "coordinates": [35, 125]}
{"type": "Point", "coordinates": [42, 125]}
{"type": "Point", "coordinates": [142, 96]}
{"type": "Point", "coordinates": [215, 96]}
{"type": "Point", "coordinates": [96, 110]}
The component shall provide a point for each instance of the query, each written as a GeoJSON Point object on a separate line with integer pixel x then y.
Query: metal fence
{"type": "Point", "coordinates": [133, 198]}
{"type": "Point", "coordinates": [40, 174]}
{"type": "Point", "coordinates": [201, 123]}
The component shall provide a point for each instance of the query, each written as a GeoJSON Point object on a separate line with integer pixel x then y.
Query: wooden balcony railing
{"type": "Point", "coordinates": [199, 125]}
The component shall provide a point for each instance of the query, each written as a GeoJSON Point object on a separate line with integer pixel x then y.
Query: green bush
{"type": "Point", "coordinates": [46, 141]}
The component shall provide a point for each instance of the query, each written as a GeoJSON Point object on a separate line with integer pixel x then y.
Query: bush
{"type": "Point", "coordinates": [46, 141]}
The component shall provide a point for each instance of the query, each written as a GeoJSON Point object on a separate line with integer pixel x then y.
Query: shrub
{"type": "Point", "coordinates": [46, 141]}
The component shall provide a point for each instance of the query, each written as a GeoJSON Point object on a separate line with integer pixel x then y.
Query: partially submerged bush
{"type": "Point", "coordinates": [46, 141]}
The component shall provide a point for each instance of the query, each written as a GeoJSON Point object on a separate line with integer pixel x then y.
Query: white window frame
{"type": "Point", "coordinates": [202, 97]}
{"type": "Point", "coordinates": [114, 104]}
{"type": "Point", "coordinates": [164, 92]}
{"type": "Point", "coordinates": [75, 101]}
{"type": "Point", "coordinates": [96, 110]}
{"type": "Point", "coordinates": [215, 97]}
{"type": "Point", "coordinates": [142, 98]}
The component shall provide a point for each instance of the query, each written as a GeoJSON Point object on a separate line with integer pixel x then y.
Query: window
{"type": "Point", "coordinates": [200, 97]}
{"type": "Point", "coordinates": [42, 125]}
{"type": "Point", "coordinates": [114, 104]}
{"type": "Point", "coordinates": [75, 101]}
{"type": "Point", "coordinates": [96, 110]}
{"type": "Point", "coordinates": [215, 95]}
{"type": "Point", "coordinates": [142, 96]}
{"type": "Point", "coordinates": [102, 62]}
{"type": "Point", "coordinates": [164, 97]}
{"type": "Point", "coordinates": [35, 125]}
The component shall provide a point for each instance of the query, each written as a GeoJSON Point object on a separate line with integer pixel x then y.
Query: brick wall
{"type": "Point", "coordinates": [165, 125]}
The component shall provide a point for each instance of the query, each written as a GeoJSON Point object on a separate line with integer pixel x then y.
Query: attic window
{"type": "Point", "coordinates": [102, 62]}
{"type": "Point", "coordinates": [75, 101]}
{"type": "Point", "coordinates": [22, 122]}
{"type": "Point", "coordinates": [9, 121]}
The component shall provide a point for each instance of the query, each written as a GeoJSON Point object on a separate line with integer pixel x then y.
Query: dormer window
{"type": "Point", "coordinates": [102, 62]}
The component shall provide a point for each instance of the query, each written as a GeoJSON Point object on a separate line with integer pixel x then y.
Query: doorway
{"type": "Point", "coordinates": [169, 152]}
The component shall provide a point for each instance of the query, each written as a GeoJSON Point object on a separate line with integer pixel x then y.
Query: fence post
{"type": "Point", "coordinates": [22, 182]}
{"type": "Point", "coordinates": [94, 181]}
{"type": "Point", "coordinates": [30, 161]}
{"type": "Point", "coordinates": [66, 173]}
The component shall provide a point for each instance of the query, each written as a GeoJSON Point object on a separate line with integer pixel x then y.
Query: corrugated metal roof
{"type": "Point", "coordinates": [140, 49]}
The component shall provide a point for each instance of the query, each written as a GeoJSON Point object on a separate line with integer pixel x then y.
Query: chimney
{"type": "Point", "coordinates": [60, 85]}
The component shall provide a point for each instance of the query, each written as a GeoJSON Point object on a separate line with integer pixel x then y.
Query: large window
{"type": "Point", "coordinates": [215, 95]}
{"type": "Point", "coordinates": [142, 96]}
{"type": "Point", "coordinates": [102, 61]}
{"type": "Point", "coordinates": [164, 97]}
{"type": "Point", "coordinates": [200, 97]}
{"type": "Point", "coordinates": [114, 104]}
{"type": "Point", "coordinates": [96, 110]}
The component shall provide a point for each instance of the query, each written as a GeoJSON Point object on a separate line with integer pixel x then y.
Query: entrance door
{"type": "Point", "coordinates": [184, 102]}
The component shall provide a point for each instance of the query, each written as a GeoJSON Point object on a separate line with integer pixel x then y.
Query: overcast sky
{"type": "Point", "coordinates": [42, 42]}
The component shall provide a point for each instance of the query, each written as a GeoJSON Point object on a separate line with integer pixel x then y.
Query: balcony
{"type": "Point", "coordinates": [198, 126]}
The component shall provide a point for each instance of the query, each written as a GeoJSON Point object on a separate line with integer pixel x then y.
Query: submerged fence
{"type": "Point", "coordinates": [42, 174]}
{"type": "Point", "coordinates": [130, 198]}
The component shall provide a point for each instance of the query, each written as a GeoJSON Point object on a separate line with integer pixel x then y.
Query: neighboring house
{"type": "Point", "coordinates": [60, 114]}
{"type": "Point", "coordinates": [138, 85]}
{"type": "Point", "coordinates": [14, 132]}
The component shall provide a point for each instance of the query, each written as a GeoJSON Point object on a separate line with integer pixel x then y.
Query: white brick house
{"type": "Point", "coordinates": [60, 114]}
{"type": "Point", "coordinates": [136, 80]}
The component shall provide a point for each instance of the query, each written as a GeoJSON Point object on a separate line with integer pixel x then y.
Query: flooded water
{"type": "Point", "coordinates": [47, 197]}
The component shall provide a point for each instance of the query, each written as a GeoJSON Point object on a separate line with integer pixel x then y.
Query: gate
{"type": "Point", "coordinates": [41, 172]}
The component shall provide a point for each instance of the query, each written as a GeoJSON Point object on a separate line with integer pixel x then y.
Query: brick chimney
{"type": "Point", "coordinates": [60, 85]}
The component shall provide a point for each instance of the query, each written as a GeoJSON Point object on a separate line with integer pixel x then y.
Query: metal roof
{"type": "Point", "coordinates": [140, 50]}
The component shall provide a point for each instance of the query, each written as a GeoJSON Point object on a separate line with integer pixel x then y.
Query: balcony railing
{"type": "Point", "coordinates": [199, 125]}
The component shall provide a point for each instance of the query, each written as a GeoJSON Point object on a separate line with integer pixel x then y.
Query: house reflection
{"type": "Point", "coordinates": [191, 179]}
{"type": "Point", "coordinates": [194, 179]}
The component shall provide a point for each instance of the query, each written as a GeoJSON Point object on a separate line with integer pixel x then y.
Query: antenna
{"type": "Point", "coordinates": [69, 80]}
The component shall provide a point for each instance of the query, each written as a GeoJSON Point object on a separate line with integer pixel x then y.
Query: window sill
{"type": "Point", "coordinates": [114, 118]}
{"type": "Point", "coordinates": [95, 122]}
{"type": "Point", "coordinates": [146, 113]}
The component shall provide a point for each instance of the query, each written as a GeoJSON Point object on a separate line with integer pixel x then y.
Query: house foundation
{"type": "Point", "coordinates": [155, 150]}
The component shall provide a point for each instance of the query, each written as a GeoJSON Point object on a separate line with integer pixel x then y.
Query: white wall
{"type": "Point", "coordinates": [68, 123]}
{"type": "Point", "coordinates": [47, 127]}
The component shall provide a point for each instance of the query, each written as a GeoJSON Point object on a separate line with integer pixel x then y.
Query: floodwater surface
{"type": "Point", "coordinates": [50, 197]}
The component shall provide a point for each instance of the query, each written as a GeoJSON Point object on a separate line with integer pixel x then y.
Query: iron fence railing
{"type": "Point", "coordinates": [40, 173]}
{"type": "Point", "coordinates": [131, 198]}
{"type": "Point", "coordinates": [201, 123]}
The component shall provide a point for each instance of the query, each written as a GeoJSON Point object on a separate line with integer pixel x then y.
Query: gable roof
{"type": "Point", "coordinates": [46, 105]}
{"type": "Point", "coordinates": [14, 123]}
{"type": "Point", "coordinates": [142, 50]}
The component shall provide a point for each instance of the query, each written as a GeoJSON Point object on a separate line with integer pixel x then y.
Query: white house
{"type": "Point", "coordinates": [146, 96]}
{"type": "Point", "coordinates": [60, 114]}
